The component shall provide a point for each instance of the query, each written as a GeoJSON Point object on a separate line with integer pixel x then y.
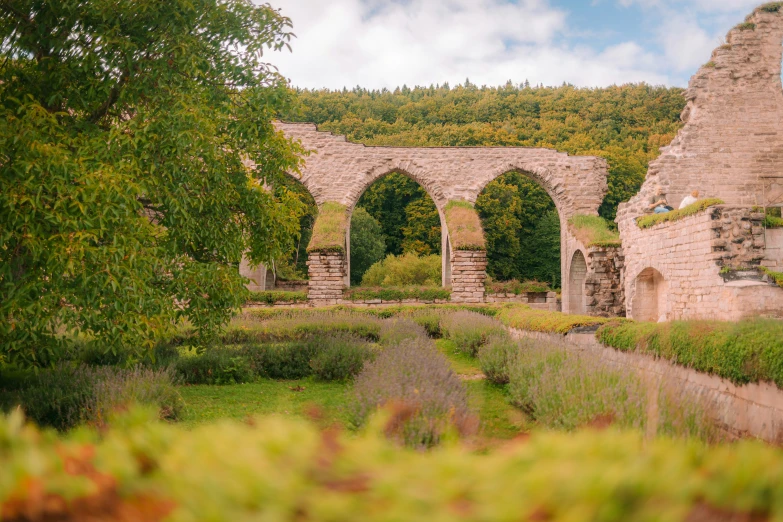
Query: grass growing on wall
{"type": "Point", "coordinates": [594, 231]}
{"type": "Point", "coordinates": [271, 297]}
{"type": "Point", "coordinates": [329, 228]}
{"type": "Point", "coordinates": [776, 276]}
{"type": "Point", "coordinates": [526, 318]}
{"type": "Point", "coordinates": [773, 222]}
{"type": "Point", "coordinates": [742, 352]}
{"type": "Point", "coordinates": [675, 215]}
{"type": "Point", "coordinates": [464, 224]}
{"type": "Point", "coordinates": [516, 287]}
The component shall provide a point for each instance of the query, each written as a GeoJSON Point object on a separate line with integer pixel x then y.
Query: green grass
{"type": "Point", "coordinates": [516, 287]}
{"type": "Point", "coordinates": [424, 293]}
{"type": "Point", "coordinates": [525, 318]}
{"type": "Point", "coordinates": [675, 215]}
{"type": "Point", "coordinates": [206, 404]}
{"type": "Point", "coordinates": [776, 276]}
{"type": "Point", "coordinates": [742, 352]}
{"type": "Point", "coordinates": [594, 231]}
{"type": "Point", "coordinates": [329, 228]}
{"type": "Point", "coordinates": [499, 419]}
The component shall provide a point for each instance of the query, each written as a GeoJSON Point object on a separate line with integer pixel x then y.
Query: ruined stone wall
{"type": "Point", "coordinates": [773, 254]}
{"type": "Point", "coordinates": [732, 141]}
{"type": "Point", "coordinates": [327, 277]}
{"type": "Point", "coordinates": [604, 289]}
{"type": "Point", "coordinates": [689, 255]}
{"type": "Point", "coordinates": [733, 133]}
{"type": "Point", "coordinates": [536, 300]}
{"type": "Point", "coordinates": [468, 273]}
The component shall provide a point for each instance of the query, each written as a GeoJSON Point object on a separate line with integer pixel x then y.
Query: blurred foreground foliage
{"type": "Point", "coordinates": [271, 468]}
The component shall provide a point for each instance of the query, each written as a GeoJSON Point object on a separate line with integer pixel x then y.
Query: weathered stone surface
{"type": "Point", "coordinates": [731, 148]}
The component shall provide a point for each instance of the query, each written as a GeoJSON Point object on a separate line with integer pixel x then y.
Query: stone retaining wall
{"type": "Point", "coordinates": [604, 290]}
{"type": "Point", "coordinates": [752, 410]}
{"type": "Point", "coordinates": [537, 300]}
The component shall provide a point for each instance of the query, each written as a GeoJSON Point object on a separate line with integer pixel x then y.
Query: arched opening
{"type": "Point", "coordinates": [395, 237]}
{"type": "Point", "coordinates": [289, 271]}
{"type": "Point", "coordinates": [576, 284]}
{"type": "Point", "coordinates": [648, 301]}
{"type": "Point", "coordinates": [522, 227]}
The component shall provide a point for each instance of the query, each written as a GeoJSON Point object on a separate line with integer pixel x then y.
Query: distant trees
{"type": "Point", "coordinates": [367, 243]}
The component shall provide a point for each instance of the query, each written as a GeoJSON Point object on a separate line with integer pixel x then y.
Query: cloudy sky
{"type": "Point", "coordinates": [388, 43]}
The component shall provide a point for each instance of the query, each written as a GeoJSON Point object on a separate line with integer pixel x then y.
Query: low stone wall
{"type": "Point", "coordinates": [752, 410]}
{"type": "Point", "coordinates": [468, 273]}
{"type": "Point", "coordinates": [537, 300]}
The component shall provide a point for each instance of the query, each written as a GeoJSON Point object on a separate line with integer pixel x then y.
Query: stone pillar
{"type": "Point", "coordinates": [468, 273]}
{"type": "Point", "coordinates": [327, 277]}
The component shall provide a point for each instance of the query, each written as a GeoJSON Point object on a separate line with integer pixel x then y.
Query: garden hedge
{"type": "Point", "coordinates": [274, 468]}
{"type": "Point", "coordinates": [397, 294]}
{"type": "Point", "coordinates": [271, 297]}
{"type": "Point", "coordinates": [743, 352]}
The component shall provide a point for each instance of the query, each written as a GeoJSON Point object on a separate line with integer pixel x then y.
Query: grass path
{"type": "Point", "coordinates": [499, 419]}
{"type": "Point", "coordinates": [205, 403]}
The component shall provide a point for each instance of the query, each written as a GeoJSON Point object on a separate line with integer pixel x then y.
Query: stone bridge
{"type": "Point", "coordinates": [338, 171]}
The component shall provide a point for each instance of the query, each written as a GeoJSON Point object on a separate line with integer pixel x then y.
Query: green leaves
{"type": "Point", "coordinates": [135, 142]}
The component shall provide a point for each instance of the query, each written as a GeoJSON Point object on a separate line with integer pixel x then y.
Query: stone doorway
{"type": "Point", "coordinates": [648, 303]}
{"type": "Point", "coordinates": [576, 284]}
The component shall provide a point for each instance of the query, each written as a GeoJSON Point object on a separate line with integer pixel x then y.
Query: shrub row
{"type": "Point", "coordinates": [423, 293]}
{"type": "Point", "coordinates": [71, 394]}
{"type": "Point", "coordinates": [516, 287]}
{"type": "Point", "coordinates": [330, 357]}
{"type": "Point", "coordinates": [285, 469]}
{"type": "Point", "coordinates": [271, 297]}
{"type": "Point", "coordinates": [743, 352]}
{"type": "Point", "coordinates": [675, 215]}
{"type": "Point", "coordinates": [526, 318]}
{"type": "Point", "coordinates": [409, 269]}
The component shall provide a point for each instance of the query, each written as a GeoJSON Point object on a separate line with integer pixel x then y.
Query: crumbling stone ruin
{"type": "Point", "coordinates": [730, 148]}
{"type": "Point", "coordinates": [704, 265]}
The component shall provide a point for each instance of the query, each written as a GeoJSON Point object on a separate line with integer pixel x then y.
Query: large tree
{"type": "Point", "coordinates": [135, 142]}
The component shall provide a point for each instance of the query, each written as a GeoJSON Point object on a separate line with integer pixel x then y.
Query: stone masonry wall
{"type": "Point", "coordinates": [604, 290]}
{"type": "Point", "coordinates": [689, 255]}
{"type": "Point", "coordinates": [468, 273]}
{"type": "Point", "coordinates": [327, 277]}
{"type": "Point", "coordinates": [752, 410]}
{"type": "Point", "coordinates": [773, 255]}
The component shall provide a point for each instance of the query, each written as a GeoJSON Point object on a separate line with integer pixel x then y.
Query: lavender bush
{"type": "Point", "coordinates": [395, 331]}
{"type": "Point", "coordinates": [496, 355]}
{"type": "Point", "coordinates": [413, 377]}
{"type": "Point", "coordinates": [470, 330]}
{"type": "Point", "coordinates": [563, 390]}
{"type": "Point", "coordinates": [72, 394]}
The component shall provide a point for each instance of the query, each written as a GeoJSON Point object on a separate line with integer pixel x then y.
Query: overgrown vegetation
{"type": "Point", "coordinates": [594, 231]}
{"type": "Point", "coordinates": [675, 215]}
{"type": "Point", "coordinates": [526, 318]}
{"type": "Point", "coordinates": [121, 241]}
{"type": "Point", "coordinates": [405, 270]}
{"type": "Point", "coordinates": [367, 243]}
{"type": "Point", "coordinates": [589, 475]}
{"type": "Point", "coordinates": [423, 293]}
{"type": "Point", "coordinates": [464, 224]}
{"type": "Point", "coordinates": [772, 7]}
{"type": "Point", "coordinates": [776, 276]}
{"type": "Point", "coordinates": [271, 297]}
{"type": "Point", "coordinates": [516, 287]}
{"type": "Point", "coordinates": [330, 228]}
{"type": "Point", "coordinates": [742, 352]}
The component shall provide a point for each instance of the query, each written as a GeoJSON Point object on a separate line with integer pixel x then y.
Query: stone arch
{"type": "Point", "coordinates": [577, 275]}
{"type": "Point", "coordinates": [431, 189]}
{"type": "Point", "coordinates": [649, 296]}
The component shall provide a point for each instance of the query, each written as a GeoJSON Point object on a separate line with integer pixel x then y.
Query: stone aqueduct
{"type": "Point", "coordinates": [731, 147]}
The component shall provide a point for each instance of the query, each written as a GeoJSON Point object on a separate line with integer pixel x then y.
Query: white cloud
{"type": "Point", "coordinates": [380, 43]}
